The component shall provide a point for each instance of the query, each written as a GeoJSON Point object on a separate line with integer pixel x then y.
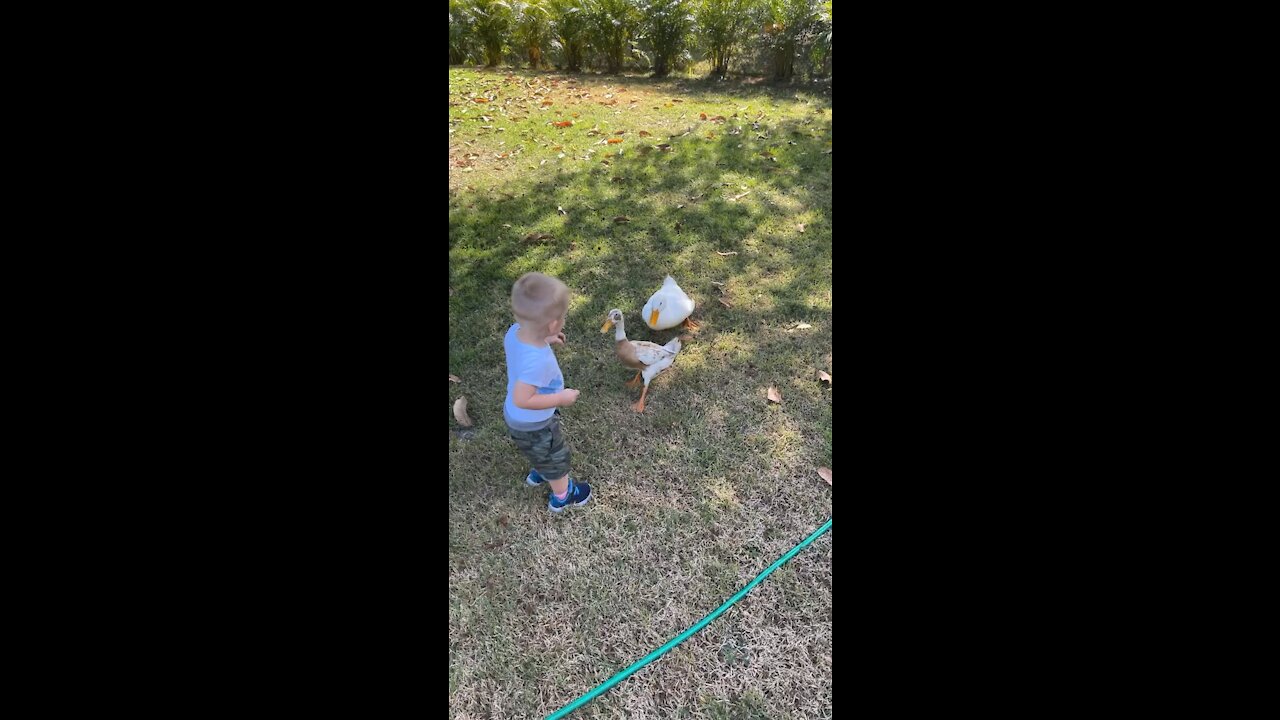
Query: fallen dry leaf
{"type": "Point", "coordinates": [547, 102]}
{"type": "Point", "coordinates": [614, 141]}
{"type": "Point", "coordinates": [481, 100]}
{"type": "Point", "coordinates": [455, 378]}
{"type": "Point", "coordinates": [822, 375]}
{"type": "Point", "coordinates": [774, 395]}
{"type": "Point", "coordinates": [731, 252]}
{"type": "Point", "coordinates": [534, 237]}
{"type": "Point", "coordinates": [736, 198]}
{"type": "Point", "coordinates": [702, 116]}
{"type": "Point", "coordinates": [825, 473]}
{"type": "Point", "coordinates": [622, 219]}
{"type": "Point", "coordinates": [460, 412]}
{"type": "Point", "coordinates": [724, 303]}
{"type": "Point", "coordinates": [621, 132]}
{"type": "Point", "coordinates": [644, 133]}
{"type": "Point", "coordinates": [564, 124]}
{"type": "Point", "coordinates": [800, 227]}
{"type": "Point", "coordinates": [803, 326]}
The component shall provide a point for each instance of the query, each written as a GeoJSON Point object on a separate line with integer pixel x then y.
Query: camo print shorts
{"type": "Point", "coordinates": [545, 448]}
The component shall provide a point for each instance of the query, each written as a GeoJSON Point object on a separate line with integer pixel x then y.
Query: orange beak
{"type": "Point", "coordinates": [653, 319]}
{"type": "Point", "coordinates": [607, 324]}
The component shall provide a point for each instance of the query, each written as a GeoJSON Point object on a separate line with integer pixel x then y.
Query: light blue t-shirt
{"type": "Point", "coordinates": [536, 366]}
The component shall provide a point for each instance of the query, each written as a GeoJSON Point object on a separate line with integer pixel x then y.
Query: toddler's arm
{"type": "Point", "coordinates": [526, 396]}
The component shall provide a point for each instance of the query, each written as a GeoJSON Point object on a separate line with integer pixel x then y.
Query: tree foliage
{"type": "Point", "coordinates": [723, 26]}
{"type": "Point", "coordinates": [666, 27]}
{"type": "Point", "coordinates": [614, 24]}
{"type": "Point", "coordinates": [532, 20]}
{"type": "Point", "coordinates": [570, 28]}
{"type": "Point", "coordinates": [491, 20]}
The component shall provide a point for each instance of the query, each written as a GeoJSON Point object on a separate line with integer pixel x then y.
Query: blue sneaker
{"type": "Point", "coordinates": [579, 494]}
{"type": "Point", "coordinates": [534, 479]}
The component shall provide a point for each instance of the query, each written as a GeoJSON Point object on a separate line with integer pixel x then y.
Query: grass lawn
{"type": "Point", "coordinates": [712, 482]}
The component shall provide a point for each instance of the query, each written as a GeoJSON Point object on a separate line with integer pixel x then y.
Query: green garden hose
{"type": "Point", "coordinates": [622, 675]}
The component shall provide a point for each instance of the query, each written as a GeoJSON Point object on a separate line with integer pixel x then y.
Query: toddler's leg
{"type": "Point", "coordinates": [560, 488]}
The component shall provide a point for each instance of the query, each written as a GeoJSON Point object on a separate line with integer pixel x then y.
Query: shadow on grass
{"type": "Point", "coordinates": [785, 165]}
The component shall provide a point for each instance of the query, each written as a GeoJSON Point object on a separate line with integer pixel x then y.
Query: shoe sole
{"type": "Point", "coordinates": [581, 502]}
{"type": "Point", "coordinates": [531, 483]}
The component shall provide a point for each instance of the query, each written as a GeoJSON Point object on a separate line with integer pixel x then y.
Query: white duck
{"type": "Point", "coordinates": [646, 358]}
{"type": "Point", "coordinates": [669, 307]}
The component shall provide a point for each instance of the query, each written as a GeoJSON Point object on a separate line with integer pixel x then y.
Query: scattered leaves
{"type": "Point", "coordinates": [645, 133]}
{"type": "Point", "coordinates": [455, 378]}
{"type": "Point", "coordinates": [800, 227]}
{"type": "Point", "coordinates": [481, 100]}
{"type": "Point", "coordinates": [736, 198]}
{"type": "Point", "coordinates": [614, 140]}
{"type": "Point", "coordinates": [725, 303]}
{"type": "Point", "coordinates": [460, 412]}
{"type": "Point", "coordinates": [702, 116]}
{"type": "Point", "coordinates": [622, 219]}
{"type": "Point", "coordinates": [731, 252]}
{"type": "Point", "coordinates": [803, 326]}
{"type": "Point", "coordinates": [774, 395]}
{"type": "Point", "coordinates": [824, 376]}
{"type": "Point", "coordinates": [536, 237]}
{"type": "Point", "coordinates": [825, 474]}
{"type": "Point", "coordinates": [563, 124]}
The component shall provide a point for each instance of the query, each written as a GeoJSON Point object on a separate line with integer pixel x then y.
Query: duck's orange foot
{"type": "Point", "coordinates": [690, 324]}
{"type": "Point", "coordinates": [633, 382]}
{"type": "Point", "coordinates": [638, 405]}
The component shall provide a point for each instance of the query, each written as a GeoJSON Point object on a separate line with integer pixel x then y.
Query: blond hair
{"type": "Point", "coordinates": [539, 300]}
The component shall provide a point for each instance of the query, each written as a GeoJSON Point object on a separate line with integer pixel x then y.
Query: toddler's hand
{"type": "Point", "coordinates": [557, 339]}
{"type": "Point", "coordinates": [568, 397]}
